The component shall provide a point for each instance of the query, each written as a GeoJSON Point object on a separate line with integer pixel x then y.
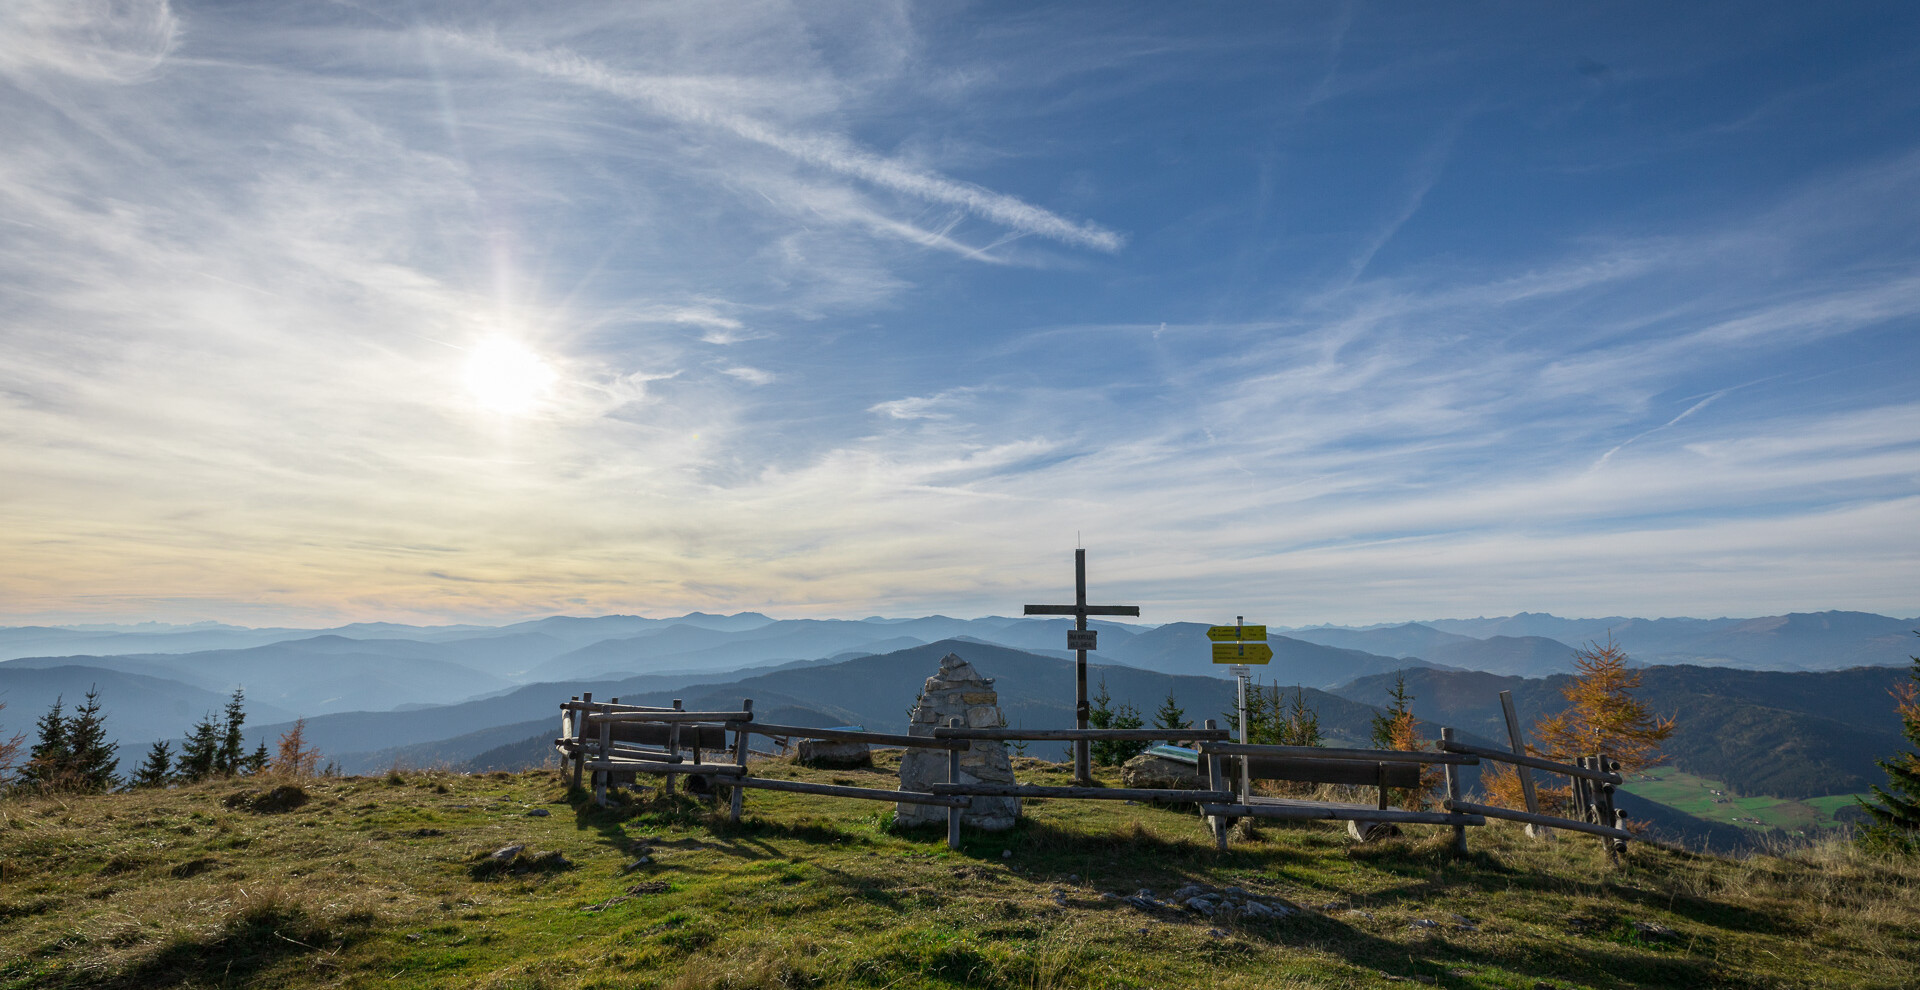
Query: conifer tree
{"type": "Point", "coordinates": [256, 762]}
{"type": "Point", "coordinates": [158, 767]}
{"type": "Point", "coordinates": [1109, 752]}
{"type": "Point", "coordinates": [91, 760]}
{"type": "Point", "coordinates": [1302, 723]}
{"type": "Point", "coordinates": [1171, 715]}
{"type": "Point", "coordinates": [232, 755]}
{"type": "Point", "coordinates": [50, 758]}
{"type": "Point", "coordinates": [1895, 820]}
{"type": "Point", "coordinates": [1387, 724]}
{"type": "Point", "coordinates": [200, 751]}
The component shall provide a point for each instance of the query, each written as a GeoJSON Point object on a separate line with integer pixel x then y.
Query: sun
{"type": "Point", "coordinates": [507, 377]}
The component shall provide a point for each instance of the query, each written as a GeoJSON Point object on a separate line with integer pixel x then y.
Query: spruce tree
{"type": "Point", "coordinates": [1386, 725]}
{"type": "Point", "coordinates": [49, 759]}
{"type": "Point", "coordinates": [200, 751]}
{"type": "Point", "coordinates": [1171, 715]}
{"type": "Point", "coordinates": [91, 756]}
{"type": "Point", "coordinates": [257, 762]}
{"type": "Point", "coordinates": [1302, 726]}
{"type": "Point", "coordinates": [232, 757]}
{"type": "Point", "coordinates": [158, 768]}
{"type": "Point", "coordinates": [1895, 820]}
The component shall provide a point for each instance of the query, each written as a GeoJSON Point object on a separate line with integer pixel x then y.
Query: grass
{"type": "Point", "coordinates": [372, 883]}
{"type": "Point", "coordinates": [1704, 797]}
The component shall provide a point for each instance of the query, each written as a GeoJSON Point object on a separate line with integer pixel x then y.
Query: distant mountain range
{"type": "Point", "coordinates": [1791, 705]}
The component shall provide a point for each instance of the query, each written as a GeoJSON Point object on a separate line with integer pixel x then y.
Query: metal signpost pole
{"type": "Point", "coordinates": [1240, 645]}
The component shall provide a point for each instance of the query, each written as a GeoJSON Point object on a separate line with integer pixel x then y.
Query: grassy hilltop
{"type": "Point", "coordinates": [388, 882]}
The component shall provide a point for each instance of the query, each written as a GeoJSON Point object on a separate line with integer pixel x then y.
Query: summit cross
{"type": "Point", "coordinates": [1080, 640]}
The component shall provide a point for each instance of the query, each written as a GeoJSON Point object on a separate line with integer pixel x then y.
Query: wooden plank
{"type": "Point", "coordinates": [700, 736]}
{"type": "Point", "coordinates": [1310, 811]}
{"type": "Point", "coordinates": [1216, 779]}
{"type": "Point", "coordinates": [1331, 753]}
{"type": "Point", "coordinates": [1519, 749]}
{"type": "Point", "coordinates": [1082, 610]}
{"type": "Point", "coordinates": [648, 766]}
{"type": "Point", "coordinates": [839, 790]}
{"type": "Point", "coordinates": [1055, 735]}
{"type": "Point", "coordinates": [740, 736]}
{"type": "Point", "coordinates": [1453, 794]}
{"type": "Point", "coordinates": [953, 779]}
{"type": "Point", "coordinates": [1084, 793]}
{"type": "Point", "coordinates": [1356, 773]}
{"type": "Point", "coordinates": [1531, 761]}
{"type": "Point", "coordinates": [849, 735]}
{"type": "Point", "coordinates": [1549, 821]}
{"type": "Point", "coordinates": [668, 716]}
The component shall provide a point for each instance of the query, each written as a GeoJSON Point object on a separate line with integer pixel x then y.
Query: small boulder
{"type": "Point", "coordinates": [1148, 771]}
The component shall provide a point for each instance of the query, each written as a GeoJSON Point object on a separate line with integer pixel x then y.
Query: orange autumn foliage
{"type": "Point", "coordinates": [1602, 717]}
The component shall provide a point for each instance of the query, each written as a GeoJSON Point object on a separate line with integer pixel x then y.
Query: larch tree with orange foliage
{"type": "Point", "coordinates": [295, 758]}
{"type": "Point", "coordinates": [1602, 717]}
{"type": "Point", "coordinates": [1396, 728]}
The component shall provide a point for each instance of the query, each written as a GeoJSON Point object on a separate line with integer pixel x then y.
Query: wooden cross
{"type": "Point", "coordinates": [1080, 640]}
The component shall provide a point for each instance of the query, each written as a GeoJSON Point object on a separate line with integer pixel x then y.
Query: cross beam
{"type": "Point", "coordinates": [1082, 769]}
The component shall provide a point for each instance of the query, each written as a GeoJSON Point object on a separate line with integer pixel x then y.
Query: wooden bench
{"type": "Point", "coordinates": [1350, 773]}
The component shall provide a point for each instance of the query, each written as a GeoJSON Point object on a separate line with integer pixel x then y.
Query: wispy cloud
{"type": "Point", "coordinates": [691, 102]}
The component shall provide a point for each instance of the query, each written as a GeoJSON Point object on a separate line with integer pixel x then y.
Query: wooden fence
{"type": "Point", "coordinates": [614, 740]}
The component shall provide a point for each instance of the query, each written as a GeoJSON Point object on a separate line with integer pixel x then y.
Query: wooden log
{"type": "Point", "coordinates": [1519, 749]}
{"type": "Point", "coordinates": [863, 793]}
{"type": "Point", "coordinates": [1453, 794]}
{"type": "Point", "coordinates": [1216, 780]}
{"type": "Point", "coordinates": [1573, 825]}
{"type": "Point", "coordinates": [667, 716]}
{"type": "Point", "coordinates": [1355, 773]}
{"type": "Point", "coordinates": [647, 766]}
{"type": "Point", "coordinates": [673, 744]}
{"type": "Point", "coordinates": [739, 796]}
{"type": "Point", "coordinates": [1331, 753]}
{"type": "Point", "coordinates": [1310, 811]}
{"type": "Point", "coordinates": [1085, 793]}
{"type": "Point", "coordinates": [1057, 735]}
{"type": "Point", "coordinates": [849, 735]}
{"type": "Point", "coordinates": [580, 738]}
{"type": "Point", "coordinates": [1535, 762]}
{"type": "Point", "coordinates": [953, 778]}
{"type": "Point", "coordinates": [607, 706]}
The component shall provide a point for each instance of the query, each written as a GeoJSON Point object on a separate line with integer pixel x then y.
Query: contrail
{"type": "Point", "coordinates": [826, 151]}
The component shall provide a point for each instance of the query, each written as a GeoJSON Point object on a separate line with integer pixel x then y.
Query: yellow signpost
{"type": "Point", "coordinates": [1242, 653]}
{"type": "Point", "coordinates": [1237, 634]}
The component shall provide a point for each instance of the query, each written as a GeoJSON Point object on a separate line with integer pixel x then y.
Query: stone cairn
{"type": "Point", "coordinates": [958, 691]}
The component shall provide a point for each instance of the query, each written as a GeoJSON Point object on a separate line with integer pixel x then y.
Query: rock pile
{"type": "Point", "coordinates": [958, 691]}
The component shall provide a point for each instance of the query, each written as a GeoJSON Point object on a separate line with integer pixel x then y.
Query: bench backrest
{"type": "Point", "coordinates": [1353, 772]}
{"type": "Point", "coordinates": [708, 737]}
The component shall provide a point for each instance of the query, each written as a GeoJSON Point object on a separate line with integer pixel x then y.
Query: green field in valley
{"type": "Point", "coordinates": [1704, 797]}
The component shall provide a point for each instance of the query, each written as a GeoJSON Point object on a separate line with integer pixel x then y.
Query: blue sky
{"type": "Point", "coordinates": [1309, 312]}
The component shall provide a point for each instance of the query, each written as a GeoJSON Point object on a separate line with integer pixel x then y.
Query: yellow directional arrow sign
{"type": "Point", "coordinates": [1242, 652]}
{"type": "Point", "coordinates": [1241, 634]}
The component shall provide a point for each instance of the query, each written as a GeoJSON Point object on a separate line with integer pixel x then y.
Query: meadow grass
{"type": "Point", "coordinates": [389, 882]}
{"type": "Point", "coordinates": [1696, 796]}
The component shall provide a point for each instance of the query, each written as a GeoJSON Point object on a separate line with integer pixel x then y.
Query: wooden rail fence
{"type": "Point", "coordinates": [614, 741]}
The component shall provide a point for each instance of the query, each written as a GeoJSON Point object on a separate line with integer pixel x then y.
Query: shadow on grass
{"type": "Point", "coordinates": [240, 953]}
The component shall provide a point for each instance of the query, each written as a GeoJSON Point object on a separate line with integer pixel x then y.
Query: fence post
{"type": "Point", "coordinates": [953, 777]}
{"type": "Point", "coordinates": [740, 759]}
{"type": "Point", "coordinates": [673, 743]}
{"type": "Point", "coordinates": [1453, 795]}
{"type": "Point", "coordinates": [580, 737]}
{"type": "Point", "coordinates": [1215, 778]}
{"type": "Point", "coordinates": [1526, 776]}
{"type": "Point", "coordinates": [1609, 815]}
{"type": "Point", "coordinates": [601, 778]}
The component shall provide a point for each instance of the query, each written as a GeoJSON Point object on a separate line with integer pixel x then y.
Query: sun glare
{"type": "Point", "coordinates": [506, 377]}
